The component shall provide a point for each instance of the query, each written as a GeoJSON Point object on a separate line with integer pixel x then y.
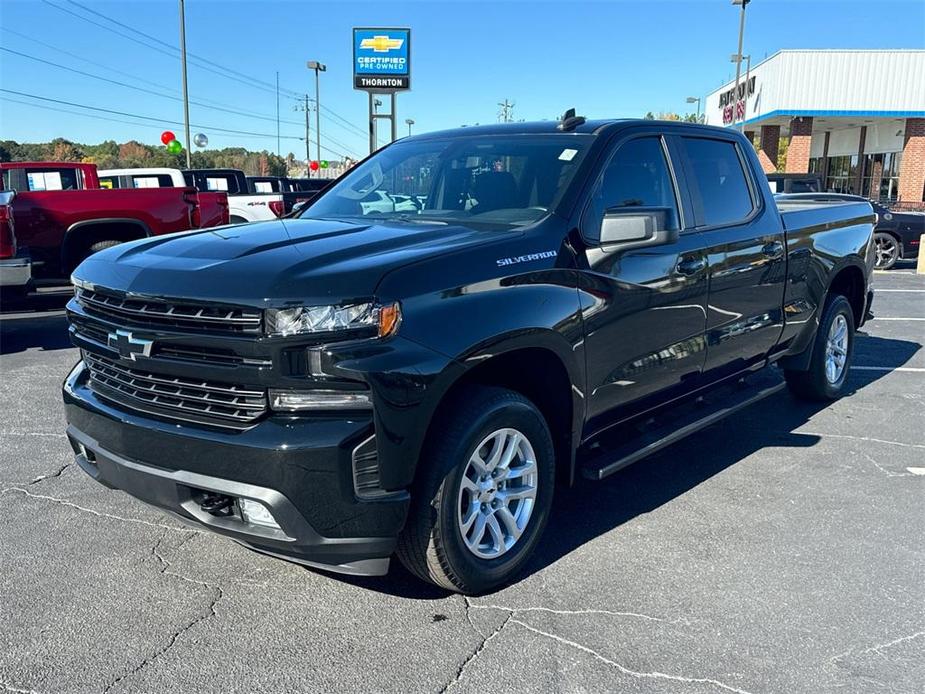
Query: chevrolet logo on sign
{"type": "Point", "coordinates": [128, 346]}
{"type": "Point", "coordinates": [382, 44]}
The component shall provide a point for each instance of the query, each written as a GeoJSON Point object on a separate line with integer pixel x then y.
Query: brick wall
{"type": "Point", "coordinates": [912, 168]}
{"type": "Point", "coordinates": [770, 143]}
{"type": "Point", "coordinates": [801, 138]}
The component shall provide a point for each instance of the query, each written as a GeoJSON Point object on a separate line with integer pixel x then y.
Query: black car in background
{"type": "Point", "coordinates": [897, 234]}
{"type": "Point", "coordinates": [284, 184]}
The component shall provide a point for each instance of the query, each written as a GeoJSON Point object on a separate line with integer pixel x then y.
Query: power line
{"type": "Point", "coordinates": [199, 62]}
{"type": "Point", "coordinates": [157, 120]}
{"type": "Point", "coordinates": [142, 89]}
{"type": "Point", "coordinates": [126, 74]}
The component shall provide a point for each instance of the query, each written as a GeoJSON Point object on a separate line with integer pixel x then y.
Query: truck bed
{"type": "Point", "coordinates": [814, 215]}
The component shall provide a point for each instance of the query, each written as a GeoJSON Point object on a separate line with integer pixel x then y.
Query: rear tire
{"type": "Point", "coordinates": [888, 250]}
{"type": "Point", "coordinates": [459, 493]}
{"type": "Point", "coordinates": [833, 347]}
{"type": "Point", "coordinates": [102, 245]}
{"type": "Point", "coordinates": [235, 219]}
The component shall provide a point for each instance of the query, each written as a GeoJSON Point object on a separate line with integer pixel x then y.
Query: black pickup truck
{"type": "Point", "coordinates": [358, 383]}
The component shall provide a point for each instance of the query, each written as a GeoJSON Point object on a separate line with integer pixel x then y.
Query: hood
{"type": "Point", "coordinates": [310, 261]}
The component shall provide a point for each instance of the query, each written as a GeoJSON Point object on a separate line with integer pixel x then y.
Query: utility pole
{"type": "Point", "coordinates": [277, 113]}
{"type": "Point", "coordinates": [308, 155]}
{"type": "Point", "coordinates": [185, 91]}
{"type": "Point", "coordinates": [735, 93]}
{"type": "Point", "coordinates": [318, 68]}
{"type": "Point", "coordinates": [506, 114]}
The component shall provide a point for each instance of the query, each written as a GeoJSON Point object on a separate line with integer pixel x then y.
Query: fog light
{"type": "Point", "coordinates": [291, 400]}
{"type": "Point", "coordinates": [255, 513]}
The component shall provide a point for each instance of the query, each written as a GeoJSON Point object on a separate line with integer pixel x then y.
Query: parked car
{"type": "Point", "coordinates": [15, 267]}
{"type": "Point", "coordinates": [62, 215]}
{"type": "Point", "coordinates": [361, 383]}
{"type": "Point", "coordinates": [795, 183]}
{"type": "Point", "coordinates": [284, 184]}
{"type": "Point", "coordinates": [243, 206]}
{"type": "Point", "coordinates": [897, 235]}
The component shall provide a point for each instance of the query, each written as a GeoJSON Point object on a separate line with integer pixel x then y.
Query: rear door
{"type": "Point", "coordinates": [745, 245]}
{"type": "Point", "coordinates": [643, 308]}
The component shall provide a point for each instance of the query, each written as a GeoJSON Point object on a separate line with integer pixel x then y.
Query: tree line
{"type": "Point", "coordinates": [134, 154]}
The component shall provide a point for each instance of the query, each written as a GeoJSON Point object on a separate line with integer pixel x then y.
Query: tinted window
{"type": "Point", "coordinates": [718, 183]}
{"type": "Point", "coordinates": [636, 176]}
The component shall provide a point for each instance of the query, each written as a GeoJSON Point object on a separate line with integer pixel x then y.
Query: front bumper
{"type": "Point", "coordinates": [300, 468]}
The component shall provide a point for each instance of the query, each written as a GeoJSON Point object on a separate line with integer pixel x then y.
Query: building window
{"type": "Point", "coordinates": [842, 174]}
{"type": "Point", "coordinates": [881, 176]}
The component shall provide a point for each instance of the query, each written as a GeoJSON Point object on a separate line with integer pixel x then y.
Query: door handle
{"type": "Point", "coordinates": [775, 249]}
{"type": "Point", "coordinates": [691, 266]}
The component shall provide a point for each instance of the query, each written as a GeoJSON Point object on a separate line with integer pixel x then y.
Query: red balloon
{"type": "Point", "coordinates": [167, 136]}
{"type": "Point", "coordinates": [314, 166]}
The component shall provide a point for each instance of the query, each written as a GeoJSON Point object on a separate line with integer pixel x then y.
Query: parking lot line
{"type": "Point", "coordinates": [894, 318]}
{"type": "Point", "coordinates": [912, 291]}
{"type": "Point", "coordinates": [911, 369]}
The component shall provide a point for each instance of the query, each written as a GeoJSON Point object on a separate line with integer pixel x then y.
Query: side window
{"type": "Point", "coordinates": [636, 176]}
{"type": "Point", "coordinates": [717, 182]}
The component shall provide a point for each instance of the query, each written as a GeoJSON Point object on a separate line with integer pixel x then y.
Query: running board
{"type": "Point", "coordinates": [687, 419]}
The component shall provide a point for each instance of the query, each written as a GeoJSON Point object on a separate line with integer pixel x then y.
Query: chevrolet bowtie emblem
{"type": "Point", "coordinates": [128, 346]}
{"type": "Point", "coordinates": [381, 44]}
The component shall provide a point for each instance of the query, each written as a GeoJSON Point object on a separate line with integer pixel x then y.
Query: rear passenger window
{"type": "Point", "coordinates": [636, 176]}
{"type": "Point", "coordinates": [717, 182]}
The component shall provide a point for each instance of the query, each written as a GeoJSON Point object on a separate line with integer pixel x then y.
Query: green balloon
{"type": "Point", "coordinates": [174, 147]}
{"type": "Point", "coordinates": [324, 163]}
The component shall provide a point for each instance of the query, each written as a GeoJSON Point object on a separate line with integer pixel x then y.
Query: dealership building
{"type": "Point", "coordinates": [855, 117]}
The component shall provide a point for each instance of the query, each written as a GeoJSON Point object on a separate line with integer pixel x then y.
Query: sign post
{"type": "Point", "coordinates": [381, 65]}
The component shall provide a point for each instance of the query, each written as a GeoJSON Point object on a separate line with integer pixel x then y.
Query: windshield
{"type": "Point", "coordinates": [508, 180]}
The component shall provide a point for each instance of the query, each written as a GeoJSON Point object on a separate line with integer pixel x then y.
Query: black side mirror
{"type": "Point", "coordinates": [634, 227]}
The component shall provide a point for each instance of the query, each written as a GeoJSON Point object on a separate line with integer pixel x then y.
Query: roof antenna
{"type": "Point", "coordinates": [570, 121]}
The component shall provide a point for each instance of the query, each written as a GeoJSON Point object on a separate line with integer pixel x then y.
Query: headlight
{"type": "Point", "coordinates": [295, 400]}
{"type": "Point", "coordinates": [328, 319]}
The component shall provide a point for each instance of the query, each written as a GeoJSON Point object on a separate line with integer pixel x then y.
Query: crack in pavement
{"type": "Point", "coordinates": [549, 610]}
{"type": "Point", "coordinates": [18, 690]}
{"type": "Point", "coordinates": [877, 648]}
{"type": "Point", "coordinates": [217, 594]}
{"type": "Point", "coordinates": [625, 670]}
{"type": "Point", "coordinates": [100, 514]}
{"type": "Point", "coordinates": [867, 439]}
{"type": "Point", "coordinates": [57, 473]}
{"type": "Point", "coordinates": [885, 471]}
{"type": "Point", "coordinates": [481, 647]}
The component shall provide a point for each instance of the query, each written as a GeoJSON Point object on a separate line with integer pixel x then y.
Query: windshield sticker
{"type": "Point", "coordinates": [568, 154]}
{"type": "Point", "coordinates": [502, 262]}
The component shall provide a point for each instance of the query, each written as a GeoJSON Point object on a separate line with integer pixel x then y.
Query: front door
{"type": "Point", "coordinates": [644, 309]}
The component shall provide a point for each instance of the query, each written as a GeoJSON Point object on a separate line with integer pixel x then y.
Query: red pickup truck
{"type": "Point", "coordinates": [62, 215]}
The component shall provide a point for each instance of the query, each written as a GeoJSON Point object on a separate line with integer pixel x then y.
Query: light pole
{"type": "Point", "coordinates": [735, 93]}
{"type": "Point", "coordinates": [695, 99]}
{"type": "Point", "coordinates": [185, 92]}
{"type": "Point", "coordinates": [409, 122]}
{"type": "Point", "coordinates": [318, 68]}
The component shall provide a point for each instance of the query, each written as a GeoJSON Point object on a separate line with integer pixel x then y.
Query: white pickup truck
{"type": "Point", "coordinates": [243, 206]}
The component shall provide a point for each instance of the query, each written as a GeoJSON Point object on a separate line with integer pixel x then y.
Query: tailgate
{"type": "Point", "coordinates": [213, 209]}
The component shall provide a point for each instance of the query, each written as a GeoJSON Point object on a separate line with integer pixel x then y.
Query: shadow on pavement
{"type": "Point", "coordinates": [37, 322]}
{"type": "Point", "coordinates": [590, 509]}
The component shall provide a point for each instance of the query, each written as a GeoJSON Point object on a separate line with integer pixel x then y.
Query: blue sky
{"type": "Point", "coordinates": [616, 58]}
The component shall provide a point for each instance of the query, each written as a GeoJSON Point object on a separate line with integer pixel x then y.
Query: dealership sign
{"type": "Point", "coordinates": [733, 104]}
{"type": "Point", "coordinates": [382, 59]}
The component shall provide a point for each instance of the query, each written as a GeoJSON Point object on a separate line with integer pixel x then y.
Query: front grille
{"type": "Point", "coordinates": [139, 311]}
{"type": "Point", "coordinates": [187, 399]}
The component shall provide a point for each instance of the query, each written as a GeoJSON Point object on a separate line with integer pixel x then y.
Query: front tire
{"type": "Point", "coordinates": [483, 492]}
{"type": "Point", "coordinates": [833, 347]}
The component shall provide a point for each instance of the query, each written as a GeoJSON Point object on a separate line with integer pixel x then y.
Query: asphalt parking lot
{"type": "Point", "coordinates": [782, 550]}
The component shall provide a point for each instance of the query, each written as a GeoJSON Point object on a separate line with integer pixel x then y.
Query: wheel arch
{"type": "Point", "coordinates": [541, 374]}
{"type": "Point", "coordinates": [81, 234]}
